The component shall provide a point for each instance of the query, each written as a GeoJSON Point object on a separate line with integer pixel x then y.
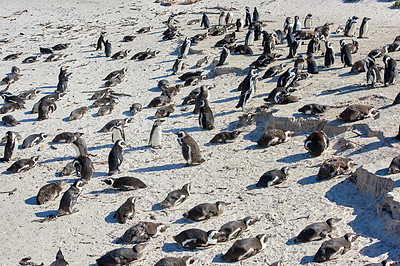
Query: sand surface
{"type": "Point", "coordinates": [231, 170]}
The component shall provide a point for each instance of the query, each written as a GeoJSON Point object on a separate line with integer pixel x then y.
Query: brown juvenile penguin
{"type": "Point", "coordinates": [334, 167]}
{"type": "Point", "coordinates": [49, 192]}
{"type": "Point", "coordinates": [78, 113]}
{"type": "Point", "coordinates": [126, 210]}
{"type": "Point", "coordinates": [223, 137]}
{"type": "Point", "coordinates": [357, 112]}
{"type": "Point", "coordinates": [274, 137]}
{"type": "Point", "coordinates": [316, 143]}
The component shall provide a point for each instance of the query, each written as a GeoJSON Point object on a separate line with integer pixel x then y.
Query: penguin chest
{"type": "Point", "coordinates": [156, 137]}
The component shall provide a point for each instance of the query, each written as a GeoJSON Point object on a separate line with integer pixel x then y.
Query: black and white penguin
{"type": "Point", "coordinates": [293, 48]}
{"type": "Point", "coordinates": [114, 74]}
{"type": "Point", "coordinates": [49, 192]}
{"type": "Point", "coordinates": [288, 24]}
{"type": "Point", "coordinates": [383, 263]}
{"type": "Point", "coordinates": [78, 113]}
{"type": "Point", "coordinates": [46, 106]}
{"type": "Point", "coordinates": [316, 143]}
{"type": "Point", "coordinates": [273, 71]}
{"type": "Point", "coordinates": [176, 197]}
{"type": "Point", "coordinates": [190, 149]}
{"type": "Point", "coordinates": [394, 167]}
{"type": "Point", "coordinates": [297, 24]}
{"type": "Point", "coordinates": [222, 19]}
{"type": "Point", "coordinates": [60, 260]}
{"type": "Point", "coordinates": [11, 146]}
{"type": "Point", "coordinates": [70, 198]}
{"type": "Point", "coordinates": [273, 137]}
{"type": "Point", "coordinates": [391, 71]}
{"type": "Point", "coordinates": [79, 145]}
{"type": "Point", "coordinates": [317, 231]}
{"type": "Point", "coordinates": [194, 238]}
{"type": "Point", "coordinates": [201, 62]}
{"type": "Point", "coordinates": [205, 21]}
{"type": "Point", "coordinates": [107, 47]}
{"type": "Point", "coordinates": [287, 77]}
{"type": "Point", "coordinates": [60, 46]}
{"type": "Point", "coordinates": [345, 54]}
{"type": "Point", "coordinates": [114, 122]}
{"type": "Point", "coordinates": [357, 112]}
{"type": "Point", "coordinates": [364, 28]}
{"type": "Point", "coordinates": [65, 136]}
{"type": "Point", "coordinates": [273, 177]}
{"type": "Point", "coordinates": [84, 167]}
{"type": "Point", "coordinates": [281, 95]}
{"type": "Point", "coordinates": [256, 15]}
{"type": "Point", "coordinates": [329, 55]}
{"type": "Point", "coordinates": [184, 49]}
{"type": "Point", "coordinates": [234, 229]}
{"type": "Point", "coordinates": [299, 63]}
{"type": "Point", "coordinates": [206, 117]}
{"type": "Point", "coordinates": [229, 18]}
{"type": "Point", "coordinates": [313, 109]}
{"type": "Point", "coordinates": [68, 169]}
{"type": "Point", "coordinates": [350, 28]}
{"type": "Point", "coordinates": [136, 108]}
{"type": "Point", "coordinates": [115, 157]}
{"type": "Point", "coordinates": [178, 66]}
{"type": "Point", "coordinates": [142, 232]}
{"type": "Point", "coordinates": [379, 52]}
{"type": "Point", "coordinates": [100, 41]}
{"type": "Point", "coordinates": [63, 80]}
{"type": "Point", "coordinates": [334, 167]}
{"type": "Point", "coordinates": [121, 256]}
{"type": "Point", "coordinates": [33, 140]}
{"type": "Point", "coordinates": [248, 17]}
{"type": "Point", "coordinates": [308, 21]}
{"type": "Point", "coordinates": [258, 28]}
{"type": "Point", "coordinates": [155, 139]}
{"type": "Point", "coordinates": [9, 120]}
{"type": "Point", "coordinates": [23, 165]}
{"type": "Point", "coordinates": [205, 211]}
{"type": "Point", "coordinates": [125, 183]}
{"type": "Point", "coordinates": [373, 73]}
{"type": "Point", "coordinates": [224, 56]}
{"type": "Point", "coordinates": [245, 248]}
{"type": "Point", "coordinates": [172, 261]}
{"type": "Point", "coordinates": [223, 137]}
{"type": "Point", "coordinates": [126, 210]}
{"type": "Point", "coordinates": [117, 133]}
{"type": "Point", "coordinates": [335, 247]}
{"type": "Point", "coordinates": [239, 25]}
{"type": "Point", "coordinates": [311, 65]}
{"type": "Point", "coordinates": [248, 89]}
{"type": "Point", "coordinates": [249, 39]}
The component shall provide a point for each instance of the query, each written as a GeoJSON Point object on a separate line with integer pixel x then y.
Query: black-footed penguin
{"type": "Point", "coordinates": [308, 21]}
{"type": "Point", "coordinates": [63, 82]}
{"type": "Point", "coordinates": [120, 54]}
{"type": "Point", "coordinates": [206, 117]}
{"type": "Point", "coordinates": [155, 139]}
{"type": "Point", "coordinates": [84, 167]}
{"type": "Point", "coordinates": [248, 89]}
{"type": "Point", "coordinates": [373, 73]}
{"type": "Point", "coordinates": [115, 74]}
{"type": "Point", "coordinates": [107, 47]}
{"type": "Point", "coordinates": [103, 101]}
{"type": "Point", "coordinates": [379, 52]}
{"type": "Point", "coordinates": [334, 167]}
{"type": "Point", "coordinates": [60, 46]}
{"type": "Point", "coordinates": [23, 165]}
{"type": "Point", "coordinates": [205, 211]}
{"type": "Point", "coordinates": [256, 15]}
{"type": "Point", "coordinates": [68, 169]}
{"type": "Point", "coordinates": [364, 28]}
{"type": "Point", "coordinates": [11, 146]}
{"type": "Point", "coordinates": [33, 140]}
{"type": "Point", "coordinates": [126, 210]}
{"type": "Point", "coordinates": [239, 25]}
{"type": "Point", "coordinates": [172, 261]}
{"type": "Point", "coordinates": [49, 192]}
{"type": "Point", "coordinates": [222, 19]}
{"type": "Point", "coordinates": [224, 56]}
{"type": "Point", "coordinates": [394, 167]}
{"type": "Point", "coordinates": [345, 54]}
{"type": "Point", "coordinates": [115, 157]}
{"type": "Point", "coordinates": [335, 247]}
{"type": "Point", "coordinates": [273, 71]}
{"type": "Point", "coordinates": [160, 101]}
{"type": "Point", "coordinates": [299, 63]}
{"type": "Point", "coordinates": [79, 145]}
{"type": "Point", "coordinates": [65, 136]}
{"type": "Point", "coordinates": [329, 55]}
{"type": "Point", "coordinates": [234, 229]}
{"type": "Point", "coordinates": [78, 113]}
{"type": "Point", "coordinates": [142, 232]}
{"type": "Point", "coordinates": [118, 133]}
{"type": "Point", "coordinates": [203, 95]}
{"type": "Point", "coordinates": [184, 49]}
{"type": "Point", "coordinates": [245, 248]}
{"type": "Point", "coordinates": [31, 59]}
{"type": "Point", "coordinates": [391, 70]}
{"type": "Point", "coordinates": [136, 108]}
{"type": "Point", "coordinates": [205, 21]}
{"type": "Point", "coordinates": [60, 260]}
{"type": "Point", "coordinates": [12, 56]}
{"type": "Point", "coordinates": [9, 120]}
{"type": "Point", "coordinates": [179, 65]}
{"type": "Point", "coordinates": [165, 111]}
{"type": "Point", "coordinates": [100, 41]}
{"type": "Point", "coordinates": [70, 198]}
{"type": "Point", "coordinates": [125, 183]}
{"type": "Point", "coordinates": [106, 109]}
{"type": "Point", "coordinates": [311, 65]}
{"type": "Point", "coordinates": [223, 137]}
{"type": "Point", "coordinates": [201, 62]}
{"type": "Point", "coordinates": [121, 256]}
{"type": "Point", "coordinates": [287, 77]}
{"type": "Point", "coordinates": [288, 24]}
{"type": "Point", "coordinates": [313, 109]}
{"type": "Point", "coordinates": [10, 107]}
{"type": "Point", "coordinates": [357, 112]}
{"type": "Point", "coordinates": [229, 18]}
{"type": "Point", "coordinates": [350, 27]}
{"type": "Point", "coordinates": [176, 197]}
{"type": "Point", "coordinates": [46, 106]}
{"type": "Point", "coordinates": [317, 231]}
{"type": "Point", "coordinates": [273, 137]}
{"type": "Point", "coordinates": [194, 238]}
{"type": "Point", "coordinates": [248, 17]}
{"type": "Point", "coordinates": [297, 24]}
{"type": "Point", "coordinates": [273, 177]}
{"type": "Point", "coordinates": [249, 39]}
{"type": "Point", "coordinates": [190, 149]}
{"type": "Point", "coordinates": [316, 143]}
{"type": "Point", "coordinates": [163, 83]}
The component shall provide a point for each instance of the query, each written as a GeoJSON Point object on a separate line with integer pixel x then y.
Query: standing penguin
{"type": "Point", "coordinates": [329, 55]}
{"type": "Point", "coordinates": [350, 28]}
{"type": "Point", "coordinates": [156, 134]}
{"type": "Point", "coordinates": [345, 54]}
{"type": "Point", "coordinates": [256, 15]}
{"type": "Point", "coordinates": [11, 146]}
{"type": "Point", "coordinates": [107, 46]}
{"type": "Point", "coordinates": [311, 65]}
{"type": "Point", "coordinates": [245, 248]}
{"type": "Point", "coordinates": [364, 28]}
{"type": "Point", "coordinates": [205, 21]}
{"type": "Point", "coordinates": [115, 157]}
{"type": "Point", "coordinates": [239, 24]}
{"type": "Point", "coordinates": [308, 21]}
{"type": "Point", "coordinates": [229, 18]}
{"type": "Point", "coordinates": [46, 106]}
{"type": "Point", "coordinates": [100, 41]}
{"type": "Point", "coordinates": [248, 17]}
{"type": "Point", "coordinates": [287, 77]}
{"type": "Point", "coordinates": [78, 144]}
{"type": "Point", "coordinates": [224, 55]}
{"type": "Point", "coordinates": [249, 40]}
{"type": "Point", "coordinates": [335, 247]}
{"type": "Point", "coordinates": [206, 117]}
{"type": "Point", "coordinates": [179, 65]}
{"type": "Point", "coordinates": [60, 260]}
{"type": "Point", "coordinates": [297, 24]}
{"type": "Point", "coordinates": [391, 70]}
{"type": "Point", "coordinates": [203, 95]}
{"type": "Point", "coordinates": [293, 48]}
{"type": "Point", "coordinates": [222, 19]}
{"type": "Point", "coordinates": [84, 167]}
{"type": "Point", "coordinates": [117, 132]}
{"type": "Point", "coordinates": [63, 82]}
{"type": "Point", "coordinates": [70, 198]}
{"type": "Point", "coordinates": [373, 73]}
{"type": "Point", "coordinates": [288, 24]}
{"type": "Point", "coordinates": [190, 149]}
{"type": "Point", "coordinates": [248, 90]}
{"type": "Point", "coordinates": [184, 49]}
{"type": "Point", "coordinates": [126, 210]}
{"type": "Point", "coordinates": [176, 197]}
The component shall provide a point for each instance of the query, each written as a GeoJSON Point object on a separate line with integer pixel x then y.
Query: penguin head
{"type": "Point", "coordinates": [131, 200]}
{"type": "Point", "coordinates": [181, 134]}
{"type": "Point", "coordinates": [386, 59]}
{"type": "Point", "coordinates": [249, 221]}
{"type": "Point", "coordinates": [109, 181]}
{"type": "Point", "coordinates": [161, 228]}
{"type": "Point", "coordinates": [79, 184]}
{"type": "Point", "coordinates": [189, 260]}
{"type": "Point", "coordinates": [213, 235]}
{"type": "Point", "coordinates": [342, 43]}
{"type": "Point", "coordinates": [350, 237]}
{"type": "Point", "coordinates": [263, 238]}
{"type": "Point", "coordinates": [332, 222]}
{"type": "Point", "coordinates": [285, 170]}
{"type": "Point", "coordinates": [61, 184]}
{"type": "Point", "coordinates": [43, 135]}
{"type": "Point", "coordinates": [139, 248]}
{"type": "Point", "coordinates": [220, 205]}
{"type": "Point", "coordinates": [35, 158]}
{"type": "Point", "coordinates": [187, 187]}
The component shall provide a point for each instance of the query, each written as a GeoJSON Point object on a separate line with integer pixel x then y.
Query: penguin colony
{"type": "Point", "coordinates": [82, 161]}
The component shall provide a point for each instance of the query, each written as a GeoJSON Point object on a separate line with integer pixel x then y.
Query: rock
{"type": "Point", "coordinates": [389, 210]}
{"type": "Point", "coordinates": [371, 184]}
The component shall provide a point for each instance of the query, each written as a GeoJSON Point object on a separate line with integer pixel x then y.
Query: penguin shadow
{"type": "Point", "coordinates": [306, 260]}
{"type": "Point", "coordinates": [28, 113]}
{"type": "Point", "coordinates": [49, 92]}
{"type": "Point", "coordinates": [309, 180]}
{"type": "Point", "coordinates": [294, 158]}
{"type": "Point", "coordinates": [110, 218]}
{"type": "Point", "coordinates": [28, 120]}
{"type": "Point", "coordinates": [45, 214]}
{"type": "Point", "coordinates": [6, 173]}
{"type": "Point", "coordinates": [31, 201]}
{"type": "Point", "coordinates": [291, 242]}
{"type": "Point", "coordinates": [385, 107]}
{"type": "Point", "coordinates": [127, 113]}
{"type": "Point", "coordinates": [218, 259]}
{"type": "Point", "coordinates": [186, 114]}
{"type": "Point", "coordinates": [376, 249]}
{"type": "Point", "coordinates": [100, 174]}
{"type": "Point", "coordinates": [95, 56]}
{"type": "Point", "coordinates": [382, 172]}
{"type": "Point", "coordinates": [184, 220]}
{"type": "Point", "coordinates": [56, 160]}
{"type": "Point", "coordinates": [154, 89]}
{"type": "Point", "coordinates": [65, 119]}
{"type": "Point", "coordinates": [166, 167]}
{"type": "Point", "coordinates": [174, 247]}
{"type": "Point", "coordinates": [253, 147]}
{"type": "Point", "coordinates": [157, 207]}
{"type": "Point", "coordinates": [95, 115]}
{"type": "Point", "coordinates": [66, 180]}
{"type": "Point", "coordinates": [106, 191]}
{"type": "Point", "coordinates": [47, 87]}
{"type": "Point", "coordinates": [253, 187]}
{"type": "Point", "coordinates": [225, 113]}
{"type": "Point", "coordinates": [227, 99]}
{"type": "Point", "coordinates": [164, 76]}
{"type": "Point", "coordinates": [141, 148]}
{"type": "Point", "coordinates": [324, 69]}
{"type": "Point", "coordinates": [109, 146]}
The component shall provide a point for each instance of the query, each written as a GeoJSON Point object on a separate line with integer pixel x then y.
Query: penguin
{"type": "Point", "coordinates": [394, 167]}
{"type": "Point", "coordinates": [297, 24]}
{"type": "Point", "coordinates": [273, 71]}
{"type": "Point", "coordinates": [222, 19]}
{"type": "Point", "coordinates": [126, 210]}
{"type": "Point", "coordinates": [223, 137]}
{"type": "Point", "coordinates": [12, 56]}
{"type": "Point", "coordinates": [248, 90]}
{"type": "Point", "coordinates": [79, 145]}
{"type": "Point", "coordinates": [115, 74]}
{"type": "Point", "coordinates": [334, 167]}
{"type": "Point", "coordinates": [103, 101]}
{"type": "Point", "coordinates": [125, 183]}
{"type": "Point", "coordinates": [155, 139]}
{"type": "Point", "coordinates": [31, 59]}
{"type": "Point", "coordinates": [23, 165]}
{"type": "Point", "coordinates": [391, 71]}
{"type": "Point", "coordinates": [316, 143]}
{"type": "Point", "coordinates": [121, 256]}
{"type": "Point", "coordinates": [288, 24]}
{"type": "Point", "coordinates": [50, 97]}
{"type": "Point", "coordinates": [54, 58]}
{"type": "Point", "coordinates": [308, 21]}
{"type": "Point", "coordinates": [49, 192]}
{"type": "Point", "coordinates": [106, 109]}
{"type": "Point", "coordinates": [11, 146]}
{"type": "Point", "coordinates": [78, 113]}
{"type": "Point", "coordinates": [63, 83]}
{"type": "Point", "coordinates": [120, 55]}
{"type": "Point", "coordinates": [201, 62]}
{"type": "Point", "coordinates": [205, 211]}
{"type": "Point", "coordinates": [65, 136]}
{"type": "Point", "coordinates": [142, 232]}
{"type": "Point", "coordinates": [84, 167]}
{"type": "Point", "coordinates": [248, 17]}
{"type": "Point", "coordinates": [194, 238]}
{"type": "Point", "coordinates": [373, 73]}
{"type": "Point", "coordinates": [317, 231]}
{"type": "Point", "coordinates": [117, 133]}
{"type": "Point", "coordinates": [350, 28]}
{"type": "Point", "coordinates": [70, 198]}
{"type": "Point", "coordinates": [176, 197]}
{"type": "Point", "coordinates": [46, 106]}
{"type": "Point", "coordinates": [335, 247]}
{"type": "Point", "coordinates": [136, 108]}
{"type": "Point", "coordinates": [100, 41]}
{"type": "Point", "coordinates": [269, 45]}
{"type": "Point", "coordinates": [60, 46]}
{"type": "Point", "coordinates": [224, 56]}
{"type": "Point", "coordinates": [184, 49]}
{"type": "Point", "coordinates": [9, 120]}
{"type": "Point", "coordinates": [165, 111]}
{"type": "Point", "coordinates": [188, 75]}
{"type": "Point", "coordinates": [234, 229]}
{"type": "Point", "coordinates": [358, 66]}
{"type": "Point", "coordinates": [206, 117]}
{"type": "Point", "coordinates": [107, 47]}
{"type": "Point", "coordinates": [245, 248]}
{"type": "Point", "coordinates": [10, 107]}
{"type": "Point", "coordinates": [163, 84]}
{"type": "Point", "coordinates": [60, 260]}
{"type": "Point", "coordinates": [160, 101]}
{"type": "Point", "coordinates": [13, 99]}
{"type": "Point", "coordinates": [115, 122]}
{"type": "Point", "coordinates": [273, 177]}
{"type": "Point", "coordinates": [345, 54]}
{"type": "Point", "coordinates": [311, 65]}
{"type": "Point", "coordinates": [364, 28]}
{"type": "Point", "coordinates": [68, 169]}
{"type": "Point", "coordinates": [190, 149]}
{"type": "Point", "coordinates": [249, 40]}
{"type": "Point", "coordinates": [172, 261]}
{"type": "Point", "coordinates": [29, 94]}
{"type": "Point", "coordinates": [313, 109]}
{"type": "Point", "coordinates": [256, 15]}
{"type": "Point", "coordinates": [229, 18]}
{"type": "Point", "coordinates": [379, 52]}
{"type": "Point", "coordinates": [115, 157]}
{"type": "Point", "coordinates": [357, 112]}
{"type": "Point", "coordinates": [293, 48]}
{"type": "Point", "coordinates": [398, 135]}
{"type": "Point", "coordinates": [179, 65]}
{"type": "Point", "coordinates": [299, 63]}
{"type": "Point", "coordinates": [383, 263]}
{"type": "Point", "coordinates": [273, 137]}
{"type": "Point", "coordinates": [33, 140]}
{"type": "Point", "coordinates": [239, 25]}
{"type": "Point", "coordinates": [205, 21]}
